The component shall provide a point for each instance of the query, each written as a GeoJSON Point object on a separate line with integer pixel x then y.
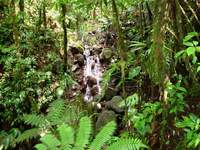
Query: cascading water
{"type": "Point", "coordinates": [92, 74]}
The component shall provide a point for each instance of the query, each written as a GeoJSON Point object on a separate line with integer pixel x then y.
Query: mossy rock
{"type": "Point", "coordinates": [76, 48]}
{"type": "Point", "coordinates": [103, 118]}
{"type": "Point", "coordinates": [117, 99]}
{"type": "Point", "coordinates": [106, 53]}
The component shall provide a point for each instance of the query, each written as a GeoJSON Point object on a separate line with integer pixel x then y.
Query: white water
{"type": "Point", "coordinates": [92, 69]}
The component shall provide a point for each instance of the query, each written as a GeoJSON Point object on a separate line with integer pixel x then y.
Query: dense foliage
{"type": "Point", "coordinates": [149, 53]}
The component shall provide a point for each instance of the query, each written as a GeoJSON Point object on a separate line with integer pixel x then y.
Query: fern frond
{"type": "Point", "coordinates": [50, 141]}
{"type": "Point", "coordinates": [56, 111]}
{"type": "Point", "coordinates": [103, 136]}
{"type": "Point", "coordinates": [28, 135]}
{"type": "Point", "coordinates": [66, 135]}
{"type": "Point", "coordinates": [84, 131]}
{"type": "Point", "coordinates": [127, 144]}
{"type": "Point", "coordinates": [34, 120]}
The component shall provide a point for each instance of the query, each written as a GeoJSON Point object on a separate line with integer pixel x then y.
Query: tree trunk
{"type": "Point", "coordinates": [65, 40]}
{"type": "Point", "coordinates": [21, 8]}
{"type": "Point", "coordinates": [44, 15]}
{"type": "Point", "coordinates": [14, 23]}
{"type": "Point", "coordinates": [122, 52]}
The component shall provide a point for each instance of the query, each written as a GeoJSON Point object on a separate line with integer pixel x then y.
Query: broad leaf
{"type": "Point", "coordinates": [190, 36]}
{"type": "Point", "coordinates": [134, 72]}
{"type": "Point", "coordinates": [190, 51]}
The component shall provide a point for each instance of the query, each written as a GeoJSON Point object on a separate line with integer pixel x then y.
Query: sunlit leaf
{"type": "Point", "coordinates": [134, 72]}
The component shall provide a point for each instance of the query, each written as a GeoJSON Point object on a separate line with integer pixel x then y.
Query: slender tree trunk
{"type": "Point", "coordinates": [14, 23]}
{"type": "Point", "coordinates": [65, 40]}
{"type": "Point", "coordinates": [44, 15]}
{"type": "Point", "coordinates": [21, 8]}
{"type": "Point", "coordinates": [78, 27]}
{"type": "Point", "coordinates": [40, 18]}
{"type": "Point", "coordinates": [122, 52]}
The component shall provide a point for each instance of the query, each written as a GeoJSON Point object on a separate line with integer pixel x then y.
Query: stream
{"type": "Point", "coordinates": [92, 74]}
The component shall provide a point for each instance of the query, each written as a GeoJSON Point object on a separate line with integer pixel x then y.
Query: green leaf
{"type": "Point", "coordinates": [197, 48]}
{"type": "Point", "coordinates": [127, 144]}
{"type": "Point", "coordinates": [198, 69]}
{"type": "Point", "coordinates": [51, 141]}
{"type": "Point", "coordinates": [190, 51]}
{"type": "Point", "coordinates": [190, 36]}
{"type": "Point", "coordinates": [66, 135]}
{"type": "Point", "coordinates": [41, 147]}
{"type": "Point", "coordinates": [134, 72]}
{"type": "Point", "coordinates": [178, 54]}
{"type": "Point", "coordinates": [84, 131]}
{"type": "Point", "coordinates": [195, 43]}
{"type": "Point", "coordinates": [190, 44]}
{"type": "Point", "coordinates": [103, 136]}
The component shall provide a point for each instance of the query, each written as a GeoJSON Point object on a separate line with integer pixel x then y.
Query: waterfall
{"type": "Point", "coordinates": [92, 74]}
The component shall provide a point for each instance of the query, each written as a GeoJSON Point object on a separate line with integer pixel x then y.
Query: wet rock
{"type": "Point", "coordinates": [106, 54]}
{"type": "Point", "coordinates": [97, 49]}
{"type": "Point", "coordinates": [75, 67]}
{"type": "Point", "coordinates": [79, 58]}
{"type": "Point", "coordinates": [91, 81]}
{"type": "Point", "coordinates": [94, 90]}
{"type": "Point", "coordinates": [114, 105]}
{"type": "Point", "coordinates": [104, 117]}
{"type": "Point", "coordinates": [76, 48]}
{"type": "Point", "coordinates": [117, 99]}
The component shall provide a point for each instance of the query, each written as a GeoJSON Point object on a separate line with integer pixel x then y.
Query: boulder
{"type": "Point", "coordinates": [104, 117]}
{"type": "Point", "coordinates": [79, 58]}
{"type": "Point", "coordinates": [91, 81]}
{"type": "Point", "coordinates": [76, 48]}
{"type": "Point", "coordinates": [75, 67]}
{"type": "Point", "coordinates": [117, 99]}
{"type": "Point", "coordinates": [94, 90]}
{"type": "Point", "coordinates": [106, 54]}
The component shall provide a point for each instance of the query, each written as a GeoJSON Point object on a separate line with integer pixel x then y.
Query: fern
{"type": "Point", "coordinates": [54, 117]}
{"type": "Point", "coordinates": [34, 120]}
{"type": "Point", "coordinates": [127, 144]}
{"type": "Point", "coordinates": [103, 136]}
{"type": "Point", "coordinates": [66, 138]}
{"type": "Point", "coordinates": [56, 111]}
{"type": "Point", "coordinates": [84, 132]}
{"type": "Point", "coordinates": [28, 135]}
{"type": "Point", "coordinates": [66, 135]}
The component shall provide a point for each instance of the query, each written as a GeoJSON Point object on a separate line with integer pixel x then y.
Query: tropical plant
{"type": "Point", "coordinates": [190, 54]}
{"type": "Point", "coordinates": [66, 138]}
{"type": "Point", "coordinates": [176, 94]}
{"type": "Point", "coordinates": [44, 123]}
{"type": "Point", "coordinates": [191, 126]}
